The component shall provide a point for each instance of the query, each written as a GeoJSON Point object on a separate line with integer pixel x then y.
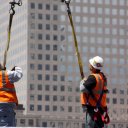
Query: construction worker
{"type": "Point", "coordinates": [8, 97]}
{"type": "Point", "coordinates": [94, 101]}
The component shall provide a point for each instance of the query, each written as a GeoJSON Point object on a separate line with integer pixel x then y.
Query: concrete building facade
{"type": "Point", "coordinates": [31, 120]}
{"type": "Point", "coordinates": [42, 44]}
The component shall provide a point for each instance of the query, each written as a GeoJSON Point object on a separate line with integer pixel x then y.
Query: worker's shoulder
{"type": "Point", "coordinates": [91, 76]}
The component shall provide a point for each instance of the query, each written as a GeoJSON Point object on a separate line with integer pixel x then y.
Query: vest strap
{"type": "Point", "coordinates": [3, 79]}
{"type": "Point", "coordinates": [4, 88]}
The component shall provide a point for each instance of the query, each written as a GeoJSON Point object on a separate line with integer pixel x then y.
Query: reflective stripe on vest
{"type": "Point", "coordinates": [7, 89]}
{"type": "Point", "coordinates": [4, 84]}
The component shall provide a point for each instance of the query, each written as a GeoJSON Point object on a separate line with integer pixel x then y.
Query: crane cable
{"type": "Point", "coordinates": [12, 13]}
{"type": "Point", "coordinates": [76, 46]}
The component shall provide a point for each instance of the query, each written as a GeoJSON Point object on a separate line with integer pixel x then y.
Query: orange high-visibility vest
{"type": "Point", "coordinates": [85, 97]}
{"type": "Point", "coordinates": [7, 90]}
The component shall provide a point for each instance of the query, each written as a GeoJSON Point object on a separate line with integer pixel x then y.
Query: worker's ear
{"type": "Point", "coordinates": [90, 67]}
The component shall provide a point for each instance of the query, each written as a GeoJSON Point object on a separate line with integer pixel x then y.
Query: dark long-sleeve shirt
{"type": "Point", "coordinates": [88, 84]}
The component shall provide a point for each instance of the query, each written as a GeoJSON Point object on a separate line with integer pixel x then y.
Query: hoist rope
{"type": "Point", "coordinates": [12, 13]}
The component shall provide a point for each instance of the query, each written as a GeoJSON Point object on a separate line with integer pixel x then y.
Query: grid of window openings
{"type": "Point", "coordinates": [27, 121]}
{"type": "Point", "coordinates": [45, 69]}
{"type": "Point", "coordinates": [44, 28]}
{"type": "Point", "coordinates": [100, 28]}
{"type": "Point", "coordinates": [53, 98]}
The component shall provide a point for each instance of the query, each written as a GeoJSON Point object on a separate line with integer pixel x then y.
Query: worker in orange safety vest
{"type": "Point", "coordinates": [94, 89]}
{"type": "Point", "coordinates": [8, 97]}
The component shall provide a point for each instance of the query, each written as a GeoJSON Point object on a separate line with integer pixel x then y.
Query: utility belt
{"type": "Point", "coordinates": [97, 113]}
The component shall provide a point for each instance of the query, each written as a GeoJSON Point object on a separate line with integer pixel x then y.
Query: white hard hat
{"type": "Point", "coordinates": [96, 62]}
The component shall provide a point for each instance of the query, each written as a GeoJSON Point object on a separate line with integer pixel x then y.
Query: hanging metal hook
{"type": "Point", "coordinates": [13, 3]}
{"type": "Point", "coordinates": [19, 2]}
{"type": "Point", "coordinates": [67, 2]}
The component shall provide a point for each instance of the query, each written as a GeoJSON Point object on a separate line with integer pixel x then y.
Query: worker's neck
{"type": "Point", "coordinates": [95, 71]}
